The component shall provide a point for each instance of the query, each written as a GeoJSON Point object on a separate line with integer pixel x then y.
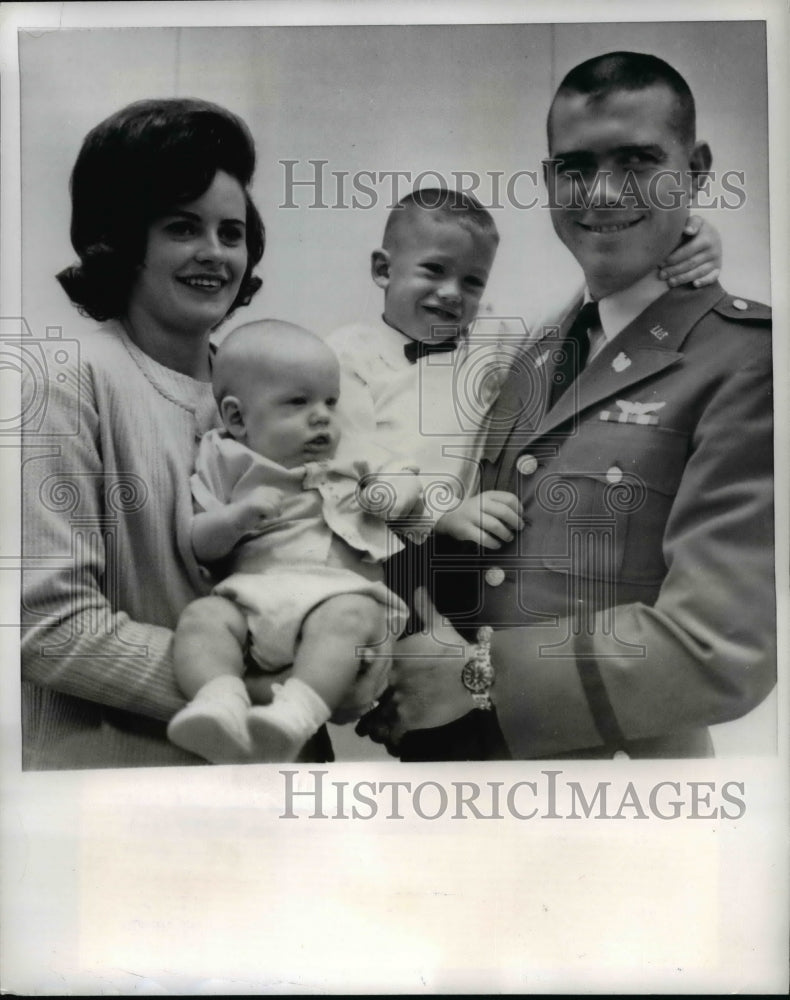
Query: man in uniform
{"type": "Point", "coordinates": [636, 607]}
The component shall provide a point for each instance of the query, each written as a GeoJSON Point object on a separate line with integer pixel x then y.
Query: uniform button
{"type": "Point", "coordinates": [526, 464]}
{"type": "Point", "coordinates": [740, 304]}
{"type": "Point", "coordinates": [620, 755]}
{"type": "Point", "coordinates": [494, 576]}
{"type": "Point", "coordinates": [614, 474]}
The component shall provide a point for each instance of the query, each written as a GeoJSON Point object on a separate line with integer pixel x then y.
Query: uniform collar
{"type": "Point", "coordinates": [620, 309]}
{"type": "Point", "coordinates": [652, 342]}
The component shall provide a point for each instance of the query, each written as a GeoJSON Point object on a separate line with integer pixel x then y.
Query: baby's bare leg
{"type": "Point", "coordinates": [332, 634]}
{"type": "Point", "coordinates": [208, 655]}
{"type": "Point", "coordinates": [326, 666]}
{"type": "Point", "coordinates": [208, 643]}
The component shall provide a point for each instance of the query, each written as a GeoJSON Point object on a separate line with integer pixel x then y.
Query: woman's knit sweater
{"type": "Point", "coordinates": [107, 561]}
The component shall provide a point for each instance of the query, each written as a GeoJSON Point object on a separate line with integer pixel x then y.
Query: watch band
{"type": "Point", "coordinates": [478, 672]}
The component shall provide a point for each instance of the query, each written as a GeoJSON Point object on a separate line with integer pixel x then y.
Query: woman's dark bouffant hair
{"type": "Point", "coordinates": [134, 167]}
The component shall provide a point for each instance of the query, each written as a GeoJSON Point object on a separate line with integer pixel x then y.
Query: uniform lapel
{"type": "Point", "coordinates": [645, 347]}
{"type": "Point", "coordinates": [523, 398]}
{"type": "Point", "coordinates": [648, 345]}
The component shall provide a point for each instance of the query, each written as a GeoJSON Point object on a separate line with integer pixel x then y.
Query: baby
{"type": "Point", "coordinates": [287, 526]}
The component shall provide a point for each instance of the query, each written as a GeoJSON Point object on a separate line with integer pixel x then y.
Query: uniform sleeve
{"type": "Point", "coordinates": [72, 639]}
{"type": "Point", "coordinates": [705, 652]}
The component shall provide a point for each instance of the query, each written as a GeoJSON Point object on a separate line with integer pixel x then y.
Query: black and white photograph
{"type": "Point", "coordinates": [395, 557]}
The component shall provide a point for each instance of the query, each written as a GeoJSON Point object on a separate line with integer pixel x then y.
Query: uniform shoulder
{"type": "Point", "coordinates": [741, 310]}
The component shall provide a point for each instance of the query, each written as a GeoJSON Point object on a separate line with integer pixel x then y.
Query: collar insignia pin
{"type": "Point", "coordinates": [621, 362]}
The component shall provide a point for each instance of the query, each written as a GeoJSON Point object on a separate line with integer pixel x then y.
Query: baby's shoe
{"type": "Point", "coordinates": [278, 731]}
{"type": "Point", "coordinates": [214, 724]}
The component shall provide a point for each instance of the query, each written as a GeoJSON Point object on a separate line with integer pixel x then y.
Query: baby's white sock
{"type": "Point", "coordinates": [214, 724]}
{"type": "Point", "coordinates": [225, 688]}
{"type": "Point", "coordinates": [279, 730]}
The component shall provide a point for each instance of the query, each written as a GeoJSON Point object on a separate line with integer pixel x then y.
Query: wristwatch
{"type": "Point", "coordinates": [477, 675]}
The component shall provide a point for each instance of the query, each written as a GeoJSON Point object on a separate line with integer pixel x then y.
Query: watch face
{"type": "Point", "coordinates": [477, 677]}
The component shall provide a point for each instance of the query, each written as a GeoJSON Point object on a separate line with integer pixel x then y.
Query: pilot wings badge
{"type": "Point", "coordinates": [632, 412]}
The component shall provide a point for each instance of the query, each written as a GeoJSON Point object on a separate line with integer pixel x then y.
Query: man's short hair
{"type": "Point", "coordinates": [443, 204]}
{"type": "Point", "coordinates": [602, 75]}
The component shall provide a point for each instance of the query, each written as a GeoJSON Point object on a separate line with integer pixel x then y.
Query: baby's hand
{"type": "Point", "coordinates": [698, 260]}
{"type": "Point", "coordinates": [261, 505]}
{"type": "Point", "coordinates": [488, 519]}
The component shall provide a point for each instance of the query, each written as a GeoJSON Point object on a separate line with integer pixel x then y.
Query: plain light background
{"type": "Point", "coordinates": [386, 98]}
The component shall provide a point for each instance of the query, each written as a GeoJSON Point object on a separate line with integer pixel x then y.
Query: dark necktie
{"type": "Point", "coordinates": [416, 349]}
{"type": "Point", "coordinates": [575, 350]}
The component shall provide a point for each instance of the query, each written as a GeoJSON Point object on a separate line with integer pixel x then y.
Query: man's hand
{"type": "Point", "coordinates": [697, 260]}
{"type": "Point", "coordinates": [425, 681]}
{"type": "Point", "coordinates": [488, 519]}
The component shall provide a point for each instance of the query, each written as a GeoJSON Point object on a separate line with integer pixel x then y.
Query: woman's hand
{"type": "Point", "coordinates": [425, 681]}
{"type": "Point", "coordinates": [369, 684]}
{"type": "Point", "coordinates": [697, 261]}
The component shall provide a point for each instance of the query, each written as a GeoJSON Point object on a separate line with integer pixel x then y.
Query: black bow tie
{"type": "Point", "coordinates": [416, 349]}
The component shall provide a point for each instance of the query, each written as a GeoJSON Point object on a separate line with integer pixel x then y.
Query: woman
{"type": "Point", "coordinates": [168, 237]}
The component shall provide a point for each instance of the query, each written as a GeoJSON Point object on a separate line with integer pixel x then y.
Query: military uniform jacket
{"type": "Point", "coordinates": [637, 605]}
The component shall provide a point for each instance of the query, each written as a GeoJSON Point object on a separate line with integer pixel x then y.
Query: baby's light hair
{"type": "Point", "coordinates": [250, 348]}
